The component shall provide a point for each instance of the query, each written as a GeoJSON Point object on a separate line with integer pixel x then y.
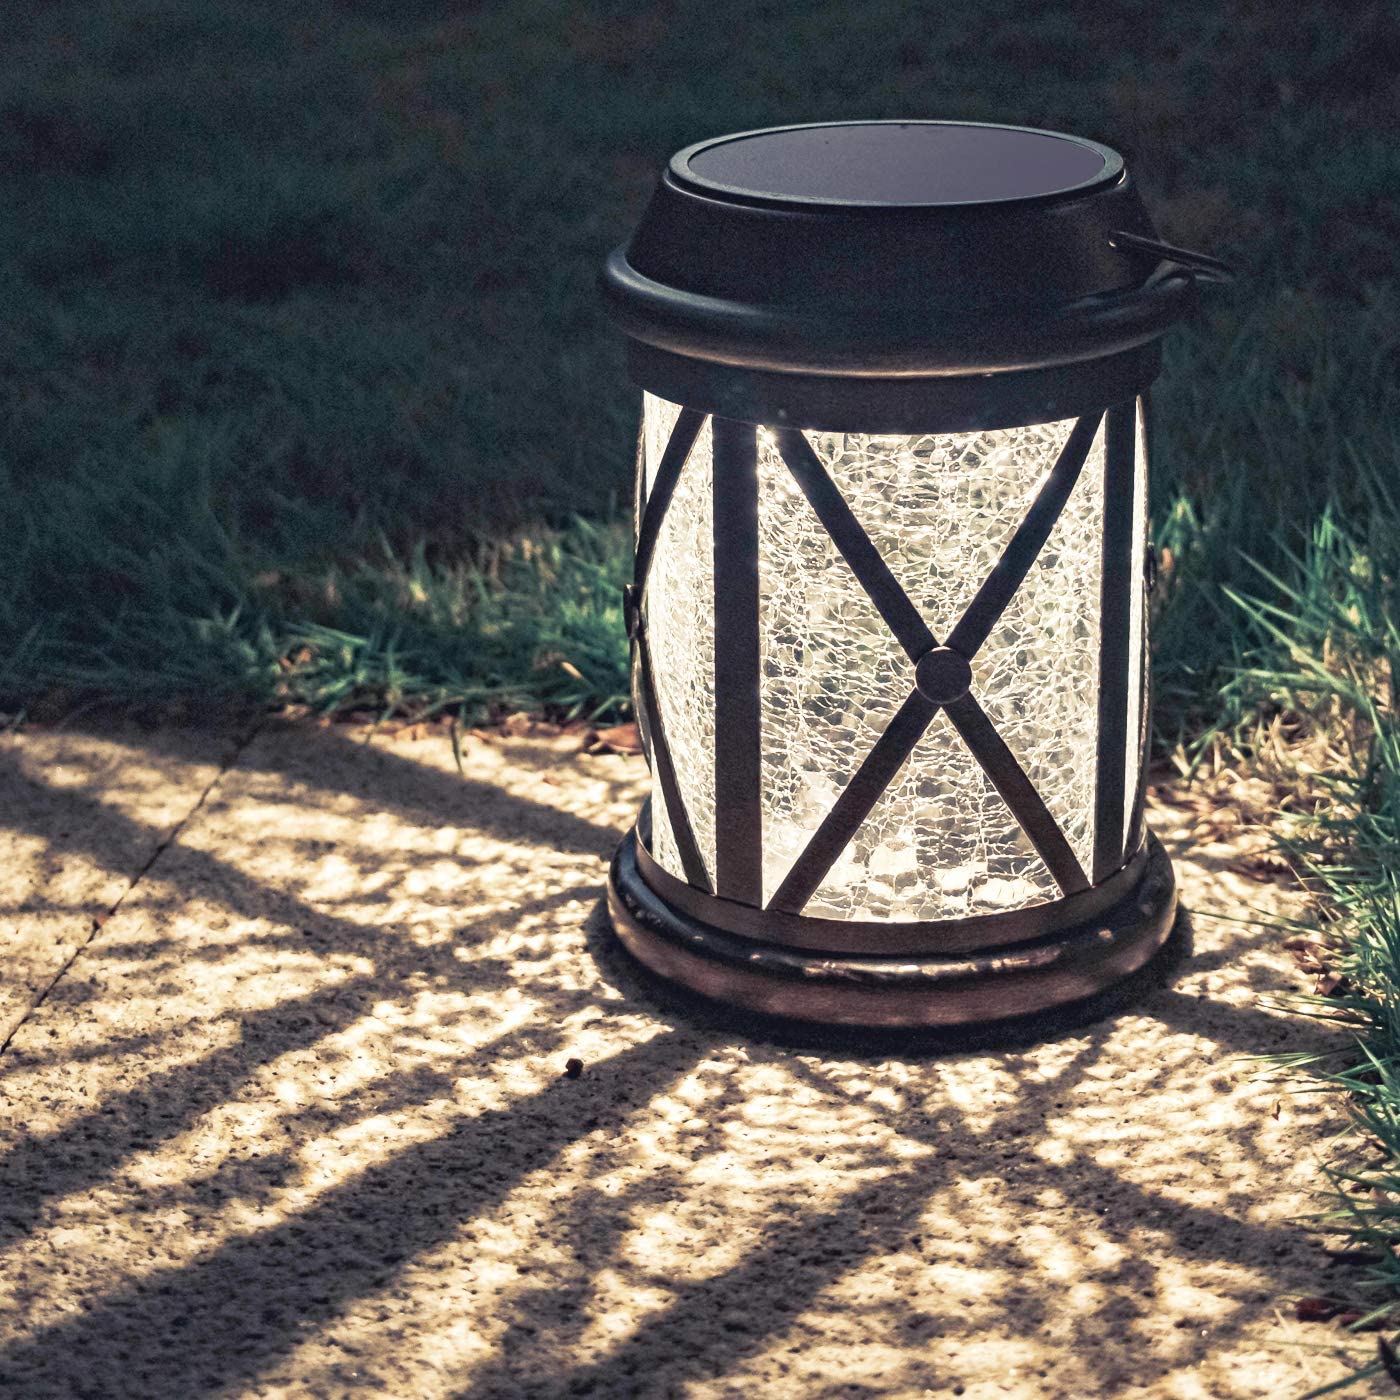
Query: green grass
{"type": "Point", "coordinates": [290, 300]}
{"type": "Point", "coordinates": [1325, 660]}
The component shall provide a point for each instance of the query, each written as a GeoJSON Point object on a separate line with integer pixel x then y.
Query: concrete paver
{"type": "Point", "coordinates": [83, 814]}
{"type": "Point", "coordinates": [295, 1123]}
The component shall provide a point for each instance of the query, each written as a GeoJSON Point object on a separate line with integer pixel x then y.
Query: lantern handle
{"type": "Point", "coordinates": [1206, 268]}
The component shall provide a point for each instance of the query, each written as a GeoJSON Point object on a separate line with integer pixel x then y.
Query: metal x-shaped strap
{"type": "Point", "coordinates": [915, 715]}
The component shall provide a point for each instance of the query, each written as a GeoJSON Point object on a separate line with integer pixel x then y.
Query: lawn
{"type": "Point", "coordinates": [306, 385]}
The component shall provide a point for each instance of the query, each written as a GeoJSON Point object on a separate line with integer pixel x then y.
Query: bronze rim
{"type": "Point", "coordinates": [953, 990]}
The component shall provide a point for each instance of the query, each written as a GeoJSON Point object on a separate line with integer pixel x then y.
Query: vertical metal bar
{"type": "Point", "coordinates": [1115, 621]}
{"type": "Point", "coordinates": [738, 795]}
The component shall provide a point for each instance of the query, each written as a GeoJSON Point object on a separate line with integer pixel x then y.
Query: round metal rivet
{"type": "Point", "coordinates": [943, 675]}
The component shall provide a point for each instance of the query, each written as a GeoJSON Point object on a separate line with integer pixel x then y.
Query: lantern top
{"type": "Point", "coordinates": [893, 276]}
{"type": "Point", "coordinates": [903, 163]}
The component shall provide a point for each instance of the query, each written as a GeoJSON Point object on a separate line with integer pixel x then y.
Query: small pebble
{"type": "Point", "coordinates": [573, 1067]}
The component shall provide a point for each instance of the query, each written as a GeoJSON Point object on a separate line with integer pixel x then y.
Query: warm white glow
{"type": "Point", "coordinates": [681, 633]}
{"type": "Point", "coordinates": [940, 843]}
{"type": "Point", "coordinates": [1137, 637]}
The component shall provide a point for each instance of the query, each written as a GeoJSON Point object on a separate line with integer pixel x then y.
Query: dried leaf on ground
{"type": "Point", "coordinates": [620, 738]}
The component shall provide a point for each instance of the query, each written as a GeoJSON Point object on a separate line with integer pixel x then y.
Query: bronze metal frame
{"type": "Point", "coordinates": [981, 987]}
{"type": "Point", "coordinates": [711, 930]}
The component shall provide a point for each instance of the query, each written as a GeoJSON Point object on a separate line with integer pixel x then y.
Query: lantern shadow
{"type": "Point", "coordinates": [712, 1325]}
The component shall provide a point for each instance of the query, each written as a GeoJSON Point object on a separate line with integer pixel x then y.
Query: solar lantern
{"type": "Point", "coordinates": [890, 605]}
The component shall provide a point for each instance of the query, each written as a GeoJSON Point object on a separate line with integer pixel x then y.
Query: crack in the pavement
{"type": "Point", "coordinates": [100, 921]}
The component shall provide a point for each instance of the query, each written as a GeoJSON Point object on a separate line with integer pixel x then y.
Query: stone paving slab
{"type": "Point", "coordinates": [82, 816]}
{"type": "Point", "coordinates": [295, 1123]}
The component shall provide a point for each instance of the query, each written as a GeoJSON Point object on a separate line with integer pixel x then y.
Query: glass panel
{"type": "Point", "coordinates": [641, 489]}
{"type": "Point", "coordinates": [658, 421]}
{"type": "Point", "coordinates": [681, 634]}
{"type": "Point", "coordinates": [941, 507]}
{"type": "Point", "coordinates": [1137, 630]}
{"type": "Point", "coordinates": [1037, 676]}
{"type": "Point", "coordinates": [940, 843]}
{"type": "Point", "coordinates": [641, 479]}
{"type": "Point", "coordinates": [831, 674]}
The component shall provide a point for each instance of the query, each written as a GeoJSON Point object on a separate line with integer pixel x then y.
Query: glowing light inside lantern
{"type": "Point", "coordinates": [940, 508]}
{"type": "Point", "coordinates": [681, 626]}
{"type": "Point", "coordinates": [1137, 627]}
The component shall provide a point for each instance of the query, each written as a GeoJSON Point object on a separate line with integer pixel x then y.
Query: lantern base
{"type": "Point", "coordinates": [1057, 971]}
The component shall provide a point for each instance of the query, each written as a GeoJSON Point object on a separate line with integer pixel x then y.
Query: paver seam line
{"type": "Point", "coordinates": [100, 920]}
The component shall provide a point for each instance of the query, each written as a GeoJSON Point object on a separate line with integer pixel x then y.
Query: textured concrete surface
{"type": "Point", "coordinates": [296, 1122]}
{"type": "Point", "coordinates": [83, 815]}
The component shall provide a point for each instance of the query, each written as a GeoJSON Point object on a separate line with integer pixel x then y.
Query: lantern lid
{"type": "Point", "coordinates": [895, 249]}
{"type": "Point", "coordinates": [894, 163]}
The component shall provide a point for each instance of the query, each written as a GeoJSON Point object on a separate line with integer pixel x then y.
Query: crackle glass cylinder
{"type": "Point", "coordinates": [940, 842]}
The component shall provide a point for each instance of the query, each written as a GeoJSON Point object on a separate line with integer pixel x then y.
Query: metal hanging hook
{"type": "Point", "coordinates": [1206, 268]}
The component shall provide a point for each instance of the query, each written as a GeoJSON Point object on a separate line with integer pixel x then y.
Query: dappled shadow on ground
{"type": "Point", "coordinates": [296, 1121]}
